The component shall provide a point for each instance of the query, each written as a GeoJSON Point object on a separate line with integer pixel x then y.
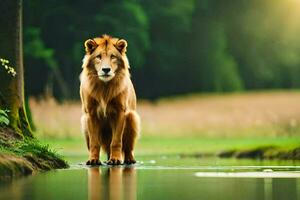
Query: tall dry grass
{"type": "Point", "coordinates": [247, 114]}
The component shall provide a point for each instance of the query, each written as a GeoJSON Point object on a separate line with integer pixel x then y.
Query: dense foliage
{"type": "Point", "coordinates": [175, 46]}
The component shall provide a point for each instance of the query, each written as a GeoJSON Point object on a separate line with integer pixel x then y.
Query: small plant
{"type": "Point", "coordinates": [4, 120]}
{"type": "Point", "coordinates": [9, 69]}
{"type": "Point", "coordinates": [4, 117]}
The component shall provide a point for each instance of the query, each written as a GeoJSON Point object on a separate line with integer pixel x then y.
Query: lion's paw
{"type": "Point", "coordinates": [129, 161]}
{"type": "Point", "coordinates": [93, 162]}
{"type": "Point", "coordinates": [114, 161]}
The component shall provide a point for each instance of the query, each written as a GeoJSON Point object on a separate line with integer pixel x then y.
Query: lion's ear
{"type": "Point", "coordinates": [121, 45]}
{"type": "Point", "coordinates": [90, 45]}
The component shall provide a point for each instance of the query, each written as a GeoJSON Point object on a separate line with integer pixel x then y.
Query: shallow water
{"type": "Point", "coordinates": [164, 177]}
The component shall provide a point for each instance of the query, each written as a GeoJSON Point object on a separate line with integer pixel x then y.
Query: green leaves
{"type": "Point", "coordinates": [36, 48]}
{"type": "Point", "coordinates": [4, 117]}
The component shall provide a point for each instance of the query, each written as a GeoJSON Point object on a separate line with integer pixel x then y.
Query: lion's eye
{"type": "Point", "coordinates": [99, 57]}
{"type": "Point", "coordinates": [113, 56]}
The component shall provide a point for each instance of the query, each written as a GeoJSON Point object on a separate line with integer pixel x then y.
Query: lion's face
{"type": "Point", "coordinates": [106, 63]}
{"type": "Point", "coordinates": [106, 56]}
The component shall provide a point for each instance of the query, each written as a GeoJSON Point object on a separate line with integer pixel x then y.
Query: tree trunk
{"type": "Point", "coordinates": [12, 88]}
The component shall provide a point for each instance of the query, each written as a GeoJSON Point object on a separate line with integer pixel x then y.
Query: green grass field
{"type": "Point", "coordinates": [191, 124]}
{"type": "Point", "coordinates": [154, 145]}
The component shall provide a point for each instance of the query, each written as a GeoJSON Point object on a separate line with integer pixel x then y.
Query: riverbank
{"type": "Point", "coordinates": [264, 152]}
{"type": "Point", "coordinates": [20, 156]}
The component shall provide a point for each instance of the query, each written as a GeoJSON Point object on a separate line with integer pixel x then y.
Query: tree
{"type": "Point", "coordinates": [169, 25]}
{"type": "Point", "coordinates": [214, 66]}
{"type": "Point", "coordinates": [12, 88]}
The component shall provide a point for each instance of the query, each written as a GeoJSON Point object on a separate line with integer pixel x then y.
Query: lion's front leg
{"type": "Point", "coordinates": [116, 142]}
{"type": "Point", "coordinates": [94, 140]}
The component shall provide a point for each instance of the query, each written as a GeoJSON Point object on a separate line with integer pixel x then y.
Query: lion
{"type": "Point", "coordinates": [109, 119]}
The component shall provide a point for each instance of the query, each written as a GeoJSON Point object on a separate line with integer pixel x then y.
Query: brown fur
{"type": "Point", "coordinates": [109, 120]}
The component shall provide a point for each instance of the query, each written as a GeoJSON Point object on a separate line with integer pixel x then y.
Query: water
{"type": "Point", "coordinates": [161, 177]}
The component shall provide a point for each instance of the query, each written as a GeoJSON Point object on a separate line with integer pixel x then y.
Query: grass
{"type": "Point", "coordinates": [20, 156]}
{"type": "Point", "coordinates": [31, 146]}
{"type": "Point", "coordinates": [243, 114]}
{"type": "Point", "coordinates": [154, 145]}
{"type": "Point", "coordinates": [194, 123]}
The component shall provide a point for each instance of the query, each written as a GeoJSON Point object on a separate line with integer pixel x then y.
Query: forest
{"type": "Point", "coordinates": [174, 47]}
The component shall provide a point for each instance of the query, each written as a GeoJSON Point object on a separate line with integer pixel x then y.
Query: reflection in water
{"type": "Point", "coordinates": [154, 183]}
{"type": "Point", "coordinates": [14, 188]}
{"type": "Point", "coordinates": [114, 183]}
{"type": "Point", "coordinates": [268, 188]}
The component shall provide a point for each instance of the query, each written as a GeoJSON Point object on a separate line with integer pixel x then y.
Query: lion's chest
{"type": "Point", "coordinates": [106, 109]}
{"type": "Point", "coordinates": [102, 108]}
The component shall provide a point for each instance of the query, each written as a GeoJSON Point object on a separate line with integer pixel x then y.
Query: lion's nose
{"type": "Point", "coordinates": [106, 70]}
